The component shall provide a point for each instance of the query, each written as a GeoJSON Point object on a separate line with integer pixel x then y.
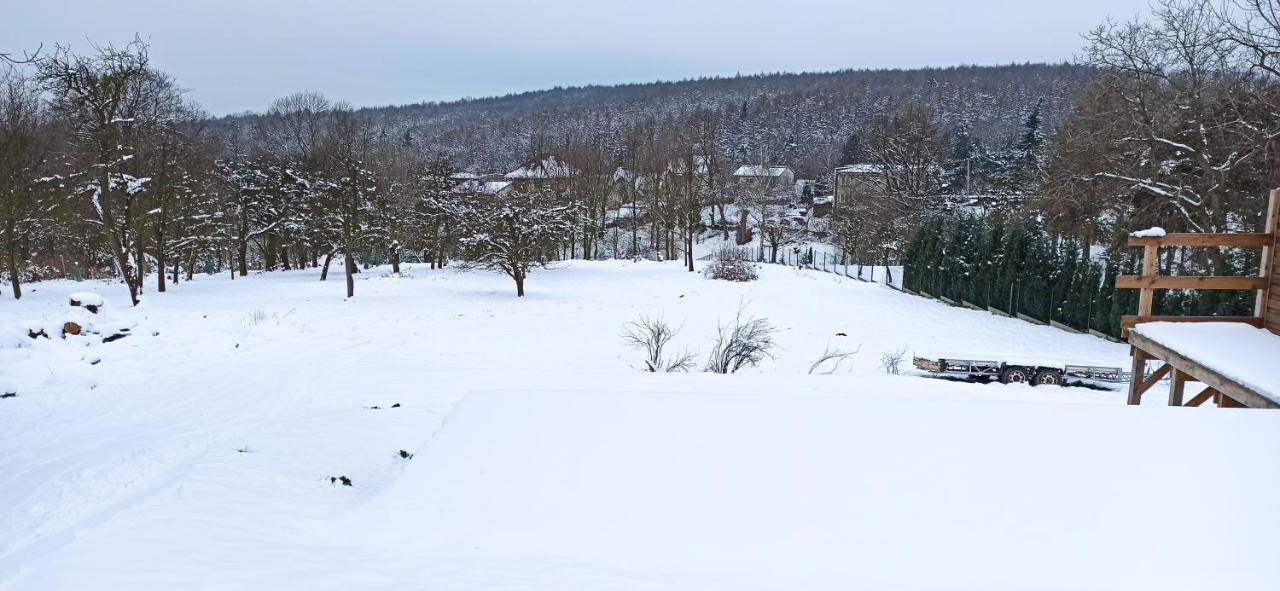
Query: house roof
{"type": "Point", "coordinates": [757, 170]}
{"type": "Point", "coordinates": [548, 168]}
{"type": "Point", "coordinates": [492, 187]}
{"type": "Point", "coordinates": [483, 187]}
{"type": "Point", "coordinates": [863, 168]}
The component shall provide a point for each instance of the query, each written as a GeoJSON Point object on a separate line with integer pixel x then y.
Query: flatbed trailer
{"type": "Point", "coordinates": [1013, 372]}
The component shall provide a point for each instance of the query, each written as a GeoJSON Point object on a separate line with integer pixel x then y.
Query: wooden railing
{"type": "Point", "coordinates": [1150, 281]}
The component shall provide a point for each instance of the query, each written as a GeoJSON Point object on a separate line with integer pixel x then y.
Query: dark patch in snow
{"type": "Point", "coordinates": [8, 395]}
{"type": "Point", "coordinates": [343, 479]}
{"type": "Point", "coordinates": [406, 455]}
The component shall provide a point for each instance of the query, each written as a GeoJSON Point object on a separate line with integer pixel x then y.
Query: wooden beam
{"type": "Point", "coordinates": [1136, 372]}
{"type": "Point", "coordinates": [1202, 397]}
{"type": "Point", "coordinates": [1128, 322]}
{"type": "Point", "coordinates": [1269, 259]}
{"type": "Point", "coordinates": [1188, 282]}
{"type": "Point", "coordinates": [1225, 401]}
{"type": "Point", "coordinates": [1150, 256]}
{"type": "Point", "coordinates": [1152, 379]}
{"type": "Point", "coordinates": [1202, 239]}
{"type": "Point", "coordinates": [1199, 372]}
{"type": "Point", "coordinates": [1177, 385]}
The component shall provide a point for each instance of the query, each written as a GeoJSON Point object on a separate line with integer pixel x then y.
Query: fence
{"type": "Point", "coordinates": [816, 261]}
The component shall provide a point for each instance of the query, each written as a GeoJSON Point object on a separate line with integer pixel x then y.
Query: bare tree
{"type": "Point", "coordinates": [1186, 118]}
{"type": "Point", "coordinates": [891, 361]}
{"type": "Point", "coordinates": [94, 93]}
{"type": "Point", "coordinates": [652, 335]}
{"type": "Point", "coordinates": [25, 136]}
{"type": "Point", "coordinates": [744, 343]}
{"type": "Point", "coordinates": [835, 357]}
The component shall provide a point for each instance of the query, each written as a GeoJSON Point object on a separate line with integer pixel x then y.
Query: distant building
{"type": "Point", "coordinates": [856, 179]}
{"type": "Point", "coordinates": [482, 187]}
{"type": "Point", "coordinates": [776, 178]}
{"type": "Point", "coordinates": [546, 173]}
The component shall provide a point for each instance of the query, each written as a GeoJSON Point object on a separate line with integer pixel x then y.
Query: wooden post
{"type": "Point", "coordinates": [1177, 385]}
{"type": "Point", "coordinates": [1273, 218]}
{"type": "Point", "coordinates": [1150, 254]}
{"type": "Point", "coordinates": [1138, 371]}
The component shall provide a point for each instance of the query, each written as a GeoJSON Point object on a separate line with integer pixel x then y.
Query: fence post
{"type": "Point", "coordinates": [1150, 255]}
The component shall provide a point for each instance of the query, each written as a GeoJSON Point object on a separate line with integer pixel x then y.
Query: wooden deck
{"type": "Point", "coordinates": [1181, 367]}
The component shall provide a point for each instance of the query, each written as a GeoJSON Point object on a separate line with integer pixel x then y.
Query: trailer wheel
{"type": "Point", "coordinates": [1015, 375]}
{"type": "Point", "coordinates": [1048, 377]}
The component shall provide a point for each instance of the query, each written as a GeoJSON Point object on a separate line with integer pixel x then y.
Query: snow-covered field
{"type": "Point", "coordinates": [198, 452]}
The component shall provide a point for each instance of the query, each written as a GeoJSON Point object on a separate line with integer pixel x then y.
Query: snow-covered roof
{"type": "Point", "coordinates": [864, 168]}
{"type": "Point", "coordinates": [757, 170]}
{"type": "Point", "coordinates": [485, 187]}
{"type": "Point", "coordinates": [464, 176]}
{"type": "Point", "coordinates": [494, 187]}
{"type": "Point", "coordinates": [548, 168]}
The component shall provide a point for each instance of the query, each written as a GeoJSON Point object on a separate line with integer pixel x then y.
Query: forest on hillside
{"type": "Point", "coordinates": [1018, 180]}
{"type": "Point", "coordinates": [800, 120]}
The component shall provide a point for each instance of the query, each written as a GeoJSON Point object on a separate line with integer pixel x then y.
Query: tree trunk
{"type": "Point", "coordinates": [161, 263]}
{"type": "Point", "coordinates": [324, 271]}
{"type": "Point", "coordinates": [395, 259]}
{"type": "Point", "coordinates": [15, 275]}
{"type": "Point", "coordinates": [268, 252]}
{"type": "Point", "coordinates": [688, 249]}
{"type": "Point", "coordinates": [108, 218]}
{"type": "Point", "coordinates": [519, 285]}
{"type": "Point", "coordinates": [351, 273]}
{"type": "Point", "coordinates": [140, 264]}
{"type": "Point", "coordinates": [284, 258]}
{"type": "Point", "coordinates": [243, 257]}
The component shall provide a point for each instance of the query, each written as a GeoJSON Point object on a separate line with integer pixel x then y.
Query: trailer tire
{"type": "Point", "coordinates": [1014, 374]}
{"type": "Point", "coordinates": [1047, 377]}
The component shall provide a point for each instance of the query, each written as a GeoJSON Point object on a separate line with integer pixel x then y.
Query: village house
{"type": "Point", "coordinates": [771, 178]}
{"type": "Point", "coordinates": [855, 180]}
{"type": "Point", "coordinates": [548, 173]}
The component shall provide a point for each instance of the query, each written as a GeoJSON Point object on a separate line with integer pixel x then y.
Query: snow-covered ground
{"type": "Point", "coordinates": [197, 453]}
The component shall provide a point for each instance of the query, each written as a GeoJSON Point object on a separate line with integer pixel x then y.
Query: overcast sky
{"type": "Point", "coordinates": [237, 55]}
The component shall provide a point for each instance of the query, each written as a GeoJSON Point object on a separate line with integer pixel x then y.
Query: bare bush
{"type": "Point", "coordinates": [833, 357]}
{"type": "Point", "coordinates": [652, 335]}
{"type": "Point", "coordinates": [731, 263]}
{"type": "Point", "coordinates": [891, 361]}
{"type": "Point", "coordinates": [745, 343]}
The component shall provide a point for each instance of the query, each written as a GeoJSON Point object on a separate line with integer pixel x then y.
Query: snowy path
{"type": "Point", "coordinates": [127, 474]}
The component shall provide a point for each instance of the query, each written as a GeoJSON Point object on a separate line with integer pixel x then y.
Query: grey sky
{"type": "Point", "coordinates": [238, 55]}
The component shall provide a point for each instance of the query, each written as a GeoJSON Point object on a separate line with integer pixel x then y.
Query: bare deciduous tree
{"type": "Point", "coordinates": [652, 335]}
{"type": "Point", "coordinates": [743, 343]}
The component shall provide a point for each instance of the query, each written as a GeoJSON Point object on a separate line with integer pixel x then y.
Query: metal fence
{"type": "Point", "coordinates": [808, 259]}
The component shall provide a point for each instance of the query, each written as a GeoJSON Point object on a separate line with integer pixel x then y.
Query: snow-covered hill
{"type": "Point", "coordinates": [198, 452]}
